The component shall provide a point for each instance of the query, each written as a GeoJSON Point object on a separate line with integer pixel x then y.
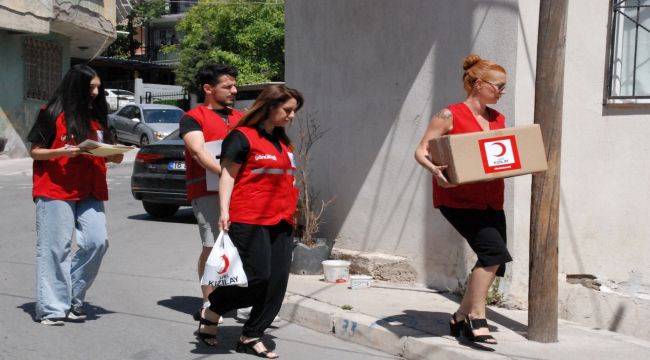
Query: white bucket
{"type": "Point", "coordinates": [336, 271]}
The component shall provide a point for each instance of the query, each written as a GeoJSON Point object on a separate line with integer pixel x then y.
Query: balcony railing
{"type": "Point", "coordinates": [165, 54]}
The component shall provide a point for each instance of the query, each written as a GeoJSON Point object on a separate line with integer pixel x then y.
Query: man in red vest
{"type": "Point", "coordinates": [210, 121]}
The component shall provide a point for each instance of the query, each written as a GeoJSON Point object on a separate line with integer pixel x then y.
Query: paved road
{"type": "Point", "coordinates": [142, 299]}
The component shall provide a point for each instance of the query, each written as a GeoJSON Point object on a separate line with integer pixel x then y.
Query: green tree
{"type": "Point", "coordinates": [120, 47]}
{"type": "Point", "coordinates": [143, 12]}
{"type": "Point", "coordinates": [248, 34]}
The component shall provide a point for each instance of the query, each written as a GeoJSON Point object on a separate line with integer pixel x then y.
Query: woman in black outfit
{"type": "Point", "coordinates": [258, 202]}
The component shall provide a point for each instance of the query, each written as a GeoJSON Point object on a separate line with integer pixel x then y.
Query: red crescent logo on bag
{"type": "Point", "coordinates": [226, 264]}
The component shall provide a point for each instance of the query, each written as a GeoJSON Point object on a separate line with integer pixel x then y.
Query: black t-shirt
{"type": "Point", "coordinates": [235, 146]}
{"type": "Point", "coordinates": [188, 123]}
{"type": "Point", "coordinates": [43, 132]}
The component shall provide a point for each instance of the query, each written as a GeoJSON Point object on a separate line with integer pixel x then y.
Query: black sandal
{"type": "Point", "coordinates": [474, 324]}
{"type": "Point", "coordinates": [455, 325]}
{"type": "Point", "coordinates": [248, 348]}
{"type": "Point", "coordinates": [205, 336]}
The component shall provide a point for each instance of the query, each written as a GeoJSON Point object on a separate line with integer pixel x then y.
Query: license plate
{"type": "Point", "coordinates": [176, 166]}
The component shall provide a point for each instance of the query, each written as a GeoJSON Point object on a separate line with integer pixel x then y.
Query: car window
{"type": "Point", "coordinates": [126, 112]}
{"type": "Point", "coordinates": [123, 93]}
{"type": "Point", "coordinates": [106, 93]}
{"type": "Point", "coordinates": [136, 113]}
{"type": "Point", "coordinates": [162, 116]}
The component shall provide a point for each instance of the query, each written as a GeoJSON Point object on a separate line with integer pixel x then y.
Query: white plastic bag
{"type": "Point", "coordinates": [224, 266]}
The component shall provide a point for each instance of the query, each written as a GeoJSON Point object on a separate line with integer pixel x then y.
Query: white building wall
{"type": "Point", "coordinates": [605, 227]}
{"type": "Point", "coordinates": [375, 72]}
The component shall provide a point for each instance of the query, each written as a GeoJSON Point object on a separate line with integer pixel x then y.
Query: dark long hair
{"type": "Point", "coordinates": [270, 98]}
{"type": "Point", "coordinates": [73, 98]}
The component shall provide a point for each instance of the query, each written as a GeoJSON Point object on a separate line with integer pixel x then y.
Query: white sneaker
{"type": "Point", "coordinates": [53, 321]}
{"type": "Point", "coordinates": [244, 313]}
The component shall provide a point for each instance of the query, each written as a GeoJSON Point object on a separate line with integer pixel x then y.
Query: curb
{"type": "Point", "coordinates": [369, 331]}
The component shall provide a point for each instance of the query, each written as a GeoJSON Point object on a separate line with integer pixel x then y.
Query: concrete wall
{"type": "Point", "coordinates": [141, 89]}
{"type": "Point", "coordinates": [26, 15]}
{"type": "Point", "coordinates": [604, 195]}
{"type": "Point", "coordinates": [374, 72]}
{"type": "Point", "coordinates": [90, 25]}
{"type": "Point", "coordinates": [605, 161]}
{"type": "Point", "coordinates": [17, 114]}
{"type": "Point", "coordinates": [84, 29]}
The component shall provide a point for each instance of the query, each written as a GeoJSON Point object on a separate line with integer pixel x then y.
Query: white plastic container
{"type": "Point", "coordinates": [360, 282]}
{"type": "Point", "coordinates": [336, 271]}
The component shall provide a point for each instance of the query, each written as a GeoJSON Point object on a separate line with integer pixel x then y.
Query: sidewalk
{"type": "Point", "coordinates": [23, 166]}
{"type": "Point", "coordinates": [412, 322]}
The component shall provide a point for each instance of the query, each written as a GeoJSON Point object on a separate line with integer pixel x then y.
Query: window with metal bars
{"type": "Point", "coordinates": [43, 68]}
{"type": "Point", "coordinates": [629, 62]}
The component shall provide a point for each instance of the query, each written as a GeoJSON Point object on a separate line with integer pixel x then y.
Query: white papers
{"type": "Point", "coordinates": [100, 149]}
{"type": "Point", "coordinates": [212, 179]}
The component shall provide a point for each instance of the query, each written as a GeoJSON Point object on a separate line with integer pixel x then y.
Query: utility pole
{"type": "Point", "coordinates": [544, 214]}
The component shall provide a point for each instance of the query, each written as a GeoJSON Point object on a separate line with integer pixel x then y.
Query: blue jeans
{"type": "Point", "coordinates": [62, 279]}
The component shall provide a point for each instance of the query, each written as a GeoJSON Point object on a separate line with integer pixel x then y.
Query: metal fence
{"type": "Point", "coordinates": [182, 100]}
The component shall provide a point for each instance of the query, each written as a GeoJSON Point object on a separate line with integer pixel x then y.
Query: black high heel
{"type": "Point", "coordinates": [475, 324]}
{"type": "Point", "coordinates": [455, 325]}
{"type": "Point", "coordinates": [248, 348]}
{"type": "Point", "coordinates": [205, 336]}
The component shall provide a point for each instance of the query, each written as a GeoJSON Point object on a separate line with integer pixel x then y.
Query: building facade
{"type": "Point", "coordinates": [38, 39]}
{"type": "Point", "coordinates": [160, 37]}
{"type": "Point", "coordinates": [374, 73]}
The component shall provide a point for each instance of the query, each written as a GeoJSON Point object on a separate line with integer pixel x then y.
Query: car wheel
{"type": "Point", "coordinates": [112, 135]}
{"type": "Point", "coordinates": [160, 210]}
{"type": "Point", "coordinates": [144, 140]}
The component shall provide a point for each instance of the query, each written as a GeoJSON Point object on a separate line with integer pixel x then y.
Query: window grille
{"type": "Point", "coordinates": [43, 68]}
{"type": "Point", "coordinates": [629, 62]}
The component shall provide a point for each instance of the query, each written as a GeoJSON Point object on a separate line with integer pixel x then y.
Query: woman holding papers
{"type": "Point", "coordinates": [474, 210]}
{"type": "Point", "coordinates": [69, 189]}
{"type": "Point", "coordinates": [258, 202]}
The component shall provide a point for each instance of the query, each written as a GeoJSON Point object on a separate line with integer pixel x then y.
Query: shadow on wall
{"type": "Point", "coordinates": [448, 258]}
{"type": "Point", "coordinates": [376, 71]}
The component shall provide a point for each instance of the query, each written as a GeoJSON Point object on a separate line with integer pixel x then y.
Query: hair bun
{"type": "Point", "coordinates": [470, 60]}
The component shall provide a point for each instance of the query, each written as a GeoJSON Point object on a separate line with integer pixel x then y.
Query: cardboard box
{"type": "Point", "coordinates": [487, 155]}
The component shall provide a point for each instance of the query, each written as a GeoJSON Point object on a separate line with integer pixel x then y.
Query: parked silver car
{"type": "Point", "coordinates": [116, 98]}
{"type": "Point", "coordinates": [141, 124]}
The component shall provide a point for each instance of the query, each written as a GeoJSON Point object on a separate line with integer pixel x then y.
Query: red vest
{"type": "Point", "coordinates": [213, 128]}
{"type": "Point", "coordinates": [64, 178]}
{"type": "Point", "coordinates": [264, 191]}
{"type": "Point", "coordinates": [478, 195]}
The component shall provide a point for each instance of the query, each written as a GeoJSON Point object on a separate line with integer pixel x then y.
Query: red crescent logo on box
{"type": "Point", "coordinates": [506, 157]}
{"type": "Point", "coordinates": [226, 266]}
{"type": "Point", "coordinates": [501, 147]}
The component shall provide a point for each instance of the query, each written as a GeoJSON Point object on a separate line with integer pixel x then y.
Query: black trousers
{"type": "Point", "coordinates": [485, 232]}
{"type": "Point", "coordinates": [266, 255]}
